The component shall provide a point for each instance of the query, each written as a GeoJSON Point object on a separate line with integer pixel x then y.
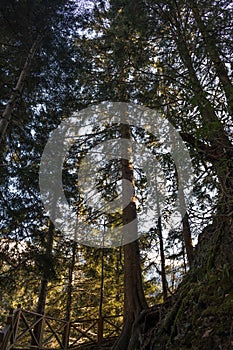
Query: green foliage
{"type": "Point", "coordinates": [154, 54]}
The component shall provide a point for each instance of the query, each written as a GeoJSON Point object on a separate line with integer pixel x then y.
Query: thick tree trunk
{"type": "Point", "coordinates": [7, 113]}
{"type": "Point", "coordinates": [134, 298]}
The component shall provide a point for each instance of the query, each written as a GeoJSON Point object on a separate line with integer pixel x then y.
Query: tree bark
{"type": "Point", "coordinates": [17, 91]}
{"type": "Point", "coordinates": [134, 298]}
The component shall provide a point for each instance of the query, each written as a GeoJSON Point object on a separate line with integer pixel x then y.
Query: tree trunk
{"type": "Point", "coordinates": [65, 336]}
{"type": "Point", "coordinates": [134, 298]}
{"type": "Point", "coordinates": [40, 309]}
{"type": "Point", "coordinates": [162, 258]}
{"type": "Point", "coordinates": [7, 113]}
{"type": "Point", "coordinates": [161, 245]}
{"type": "Point", "coordinates": [187, 239]}
{"type": "Point", "coordinates": [100, 321]}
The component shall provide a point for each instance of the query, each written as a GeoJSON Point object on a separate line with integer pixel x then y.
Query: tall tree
{"type": "Point", "coordinates": [116, 50]}
{"type": "Point", "coordinates": [134, 297]}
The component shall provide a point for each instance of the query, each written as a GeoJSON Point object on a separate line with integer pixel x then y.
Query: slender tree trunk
{"type": "Point", "coordinates": [7, 113]}
{"type": "Point", "coordinates": [134, 298]}
{"type": "Point", "coordinates": [47, 268]}
{"type": "Point", "coordinates": [162, 258]}
{"type": "Point", "coordinates": [40, 309]}
{"type": "Point", "coordinates": [100, 320]}
{"type": "Point", "coordinates": [161, 245]}
{"type": "Point", "coordinates": [65, 336]}
{"type": "Point", "coordinates": [187, 237]}
{"type": "Point", "coordinates": [70, 282]}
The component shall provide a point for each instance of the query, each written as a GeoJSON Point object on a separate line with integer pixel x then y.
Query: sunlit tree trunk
{"type": "Point", "coordinates": [134, 298]}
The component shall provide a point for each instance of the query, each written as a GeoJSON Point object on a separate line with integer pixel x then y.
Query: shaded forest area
{"type": "Point", "coordinates": [173, 287]}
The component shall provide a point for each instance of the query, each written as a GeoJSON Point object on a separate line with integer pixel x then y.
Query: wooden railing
{"type": "Point", "coordinates": [21, 331]}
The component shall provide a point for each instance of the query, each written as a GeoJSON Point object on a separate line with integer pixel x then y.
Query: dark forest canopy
{"type": "Point", "coordinates": [174, 284]}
